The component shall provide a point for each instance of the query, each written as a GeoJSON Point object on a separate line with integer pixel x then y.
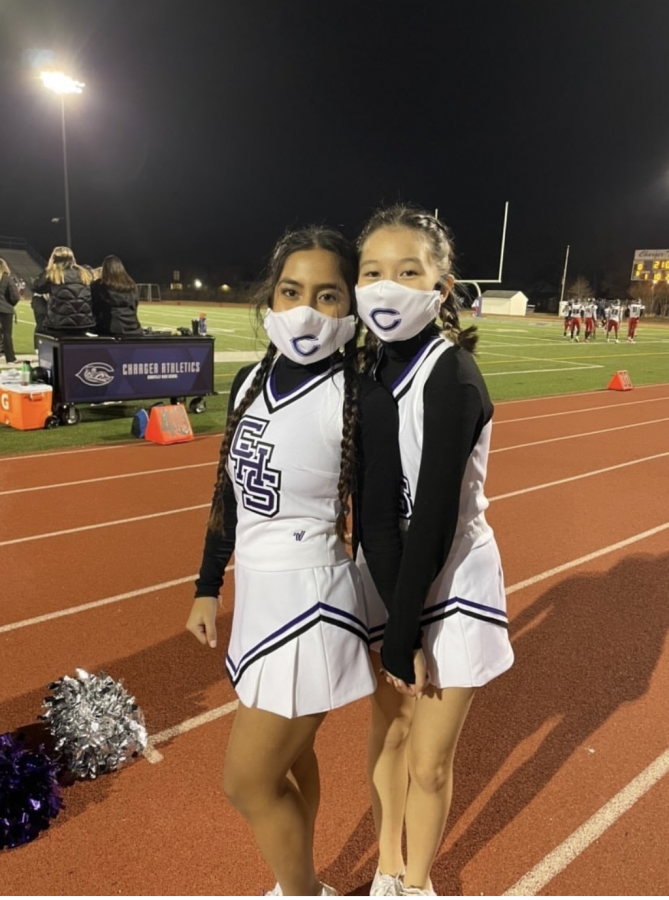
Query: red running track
{"type": "Point", "coordinates": [545, 750]}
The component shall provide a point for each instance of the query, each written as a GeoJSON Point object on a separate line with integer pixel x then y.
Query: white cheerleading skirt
{"type": "Point", "coordinates": [299, 642]}
{"type": "Point", "coordinates": [465, 627]}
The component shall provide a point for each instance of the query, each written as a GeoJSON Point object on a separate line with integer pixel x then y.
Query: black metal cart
{"type": "Point", "coordinates": [97, 370]}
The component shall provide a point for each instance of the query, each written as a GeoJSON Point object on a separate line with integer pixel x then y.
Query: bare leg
{"type": "Point", "coordinates": [305, 776]}
{"type": "Point", "coordinates": [262, 749]}
{"type": "Point", "coordinates": [436, 728]}
{"type": "Point", "coordinates": [387, 768]}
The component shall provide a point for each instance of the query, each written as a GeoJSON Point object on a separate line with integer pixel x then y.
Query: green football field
{"type": "Point", "coordinates": [519, 358]}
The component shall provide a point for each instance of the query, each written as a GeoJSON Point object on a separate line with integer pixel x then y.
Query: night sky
{"type": "Point", "coordinates": [208, 127]}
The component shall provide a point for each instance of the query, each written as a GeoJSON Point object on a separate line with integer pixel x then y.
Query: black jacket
{"type": "Point", "coordinates": [9, 295]}
{"type": "Point", "coordinates": [69, 305]}
{"type": "Point", "coordinates": [115, 312]}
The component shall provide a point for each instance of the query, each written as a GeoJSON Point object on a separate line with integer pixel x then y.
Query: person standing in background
{"type": "Point", "coordinates": [9, 297]}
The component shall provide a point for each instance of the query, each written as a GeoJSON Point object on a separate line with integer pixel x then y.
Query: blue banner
{"type": "Point", "coordinates": [133, 369]}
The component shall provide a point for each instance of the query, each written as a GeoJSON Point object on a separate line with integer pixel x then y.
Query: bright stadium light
{"type": "Point", "coordinates": [62, 84]}
{"type": "Point", "coordinates": [197, 284]}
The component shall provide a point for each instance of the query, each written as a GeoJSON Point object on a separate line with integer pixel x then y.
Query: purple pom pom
{"type": "Point", "coordinates": [29, 792]}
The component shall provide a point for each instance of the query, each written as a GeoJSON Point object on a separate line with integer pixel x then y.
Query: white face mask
{"type": "Point", "coordinates": [394, 312]}
{"type": "Point", "coordinates": [305, 335]}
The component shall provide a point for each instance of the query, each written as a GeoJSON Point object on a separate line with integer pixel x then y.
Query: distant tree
{"type": "Point", "coordinates": [653, 294]}
{"type": "Point", "coordinates": [580, 288]}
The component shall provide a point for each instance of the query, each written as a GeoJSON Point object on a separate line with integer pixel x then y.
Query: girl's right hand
{"type": "Point", "coordinates": [202, 620]}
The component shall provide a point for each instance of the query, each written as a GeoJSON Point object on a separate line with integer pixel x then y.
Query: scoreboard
{"type": "Point", "coordinates": [650, 265]}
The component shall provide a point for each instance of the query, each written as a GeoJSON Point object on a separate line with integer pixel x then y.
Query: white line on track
{"type": "Point", "coordinates": [572, 847]}
{"type": "Point", "coordinates": [153, 756]}
{"type": "Point", "coordinates": [64, 484]}
{"type": "Point", "coordinates": [549, 573]}
{"type": "Point", "coordinates": [569, 437]}
{"type": "Point", "coordinates": [51, 534]}
{"type": "Point", "coordinates": [548, 484]}
{"type": "Point", "coordinates": [571, 412]}
{"type": "Point", "coordinates": [548, 397]}
{"type": "Point", "coordinates": [94, 604]}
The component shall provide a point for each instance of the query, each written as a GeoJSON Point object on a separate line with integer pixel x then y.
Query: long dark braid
{"type": "Point", "coordinates": [441, 244]}
{"type": "Point", "coordinates": [235, 417]}
{"type": "Point", "coordinates": [369, 352]}
{"type": "Point", "coordinates": [350, 417]}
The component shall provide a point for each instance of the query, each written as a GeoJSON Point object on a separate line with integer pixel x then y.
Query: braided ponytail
{"type": "Point", "coordinates": [450, 322]}
{"type": "Point", "coordinates": [216, 514]}
{"type": "Point", "coordinates": [368, 353]}
{"type": "Point", "coordinates": [346, 485]}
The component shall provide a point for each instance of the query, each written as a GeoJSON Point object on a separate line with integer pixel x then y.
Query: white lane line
{"type": "Point", "coordinates": [570, 437]}
{"type": "Point", "coordinates": [117, 598]}
{"type": "Point", "coordinates": [64, 484]}
{"type": "Point", "coordinates": [539, 371]}
{"type": "Point", "coordinates": [153, 756]}
{"type": "Point", "coordinates": [548, 484]}
{"type": "Point", "coordinates": [547, 397]}
{"type": "Point", "coordinates": [121, 446]}
{"type": "Point", "coordinates": [51, 534]}
{"type": "Point", "coordinates": [571, 412]}
{"type": "Point", "coordinates": [549, 573]}
{"type": "Point", "coordinates": [572, 847]}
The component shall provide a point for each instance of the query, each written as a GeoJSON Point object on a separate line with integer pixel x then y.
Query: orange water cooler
{"type": "Point", "coordinates": [25, 407]}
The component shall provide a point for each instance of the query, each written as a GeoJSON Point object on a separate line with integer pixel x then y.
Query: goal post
{"type": "Point", "coordinates": [149, 292]}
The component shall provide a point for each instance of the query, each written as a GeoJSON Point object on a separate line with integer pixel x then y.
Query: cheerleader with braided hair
{"type": "Point", "coordinates": [444, 632]}
{"type": "Point", "coordinates": [305, 432]}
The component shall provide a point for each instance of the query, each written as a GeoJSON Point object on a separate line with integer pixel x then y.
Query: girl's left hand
{"type": "Point", "coordinates": [422, 678]}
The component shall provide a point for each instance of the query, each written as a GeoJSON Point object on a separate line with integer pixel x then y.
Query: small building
{"type": "Point", "coordinates": [504, 303]}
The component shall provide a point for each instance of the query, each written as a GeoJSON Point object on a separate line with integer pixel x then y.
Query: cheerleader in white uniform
{"type": "Point", "coordinates": [444, 633]}
{"type": "Point", "coordinates": [304, 428]}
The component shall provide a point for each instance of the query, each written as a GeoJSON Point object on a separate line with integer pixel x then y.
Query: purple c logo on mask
{"type": "Point", "coordinates": [295, 343]}
{"type": "Point", "coordinates": [395, 318]}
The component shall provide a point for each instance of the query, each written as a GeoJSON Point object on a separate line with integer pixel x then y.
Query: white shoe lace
{"type": "Point", "coordinates": [386, 885]}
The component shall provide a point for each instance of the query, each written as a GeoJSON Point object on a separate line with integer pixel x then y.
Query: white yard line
{"type": "Point", "coordinates": [566, 368]}
{"type": "Point", "coordinates": [548, 397]}
{"type": "Point", "coordinates": [65, 484]}
{"type": "Point", "coordinates": [569, 437]}
{"type": "Point", "coordinates": [52, 534]}
{"type": "Point", "coordinates": [549, 484]}
{"type": "Point", "coordinates": [572, 847]}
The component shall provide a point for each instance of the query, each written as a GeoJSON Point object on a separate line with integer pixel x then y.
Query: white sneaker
{"type": "Point", "coordinates": [617, 341]}
{"type": "Point", "coordinates": [326, 891]}
{"type": "Point", "coordinates": [386, 885]}
{"type": "Point", "coordinates": [417, 892]}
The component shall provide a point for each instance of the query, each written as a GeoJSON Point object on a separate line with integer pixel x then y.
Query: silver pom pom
{"type": "Point", "coordinates": [95, 723]}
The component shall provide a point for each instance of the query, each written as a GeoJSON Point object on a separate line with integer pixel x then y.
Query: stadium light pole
{"type": "Point", "coordinates": [62, 84]}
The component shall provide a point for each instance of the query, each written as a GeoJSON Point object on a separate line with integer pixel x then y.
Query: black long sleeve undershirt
{"type": "Point", "coordinates": [377, 484]}
{"type": "Point", "coordinates": [456, 408]}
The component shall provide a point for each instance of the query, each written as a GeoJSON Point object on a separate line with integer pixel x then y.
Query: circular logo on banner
{"type": "Point", "coordinates": [97, 374]}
